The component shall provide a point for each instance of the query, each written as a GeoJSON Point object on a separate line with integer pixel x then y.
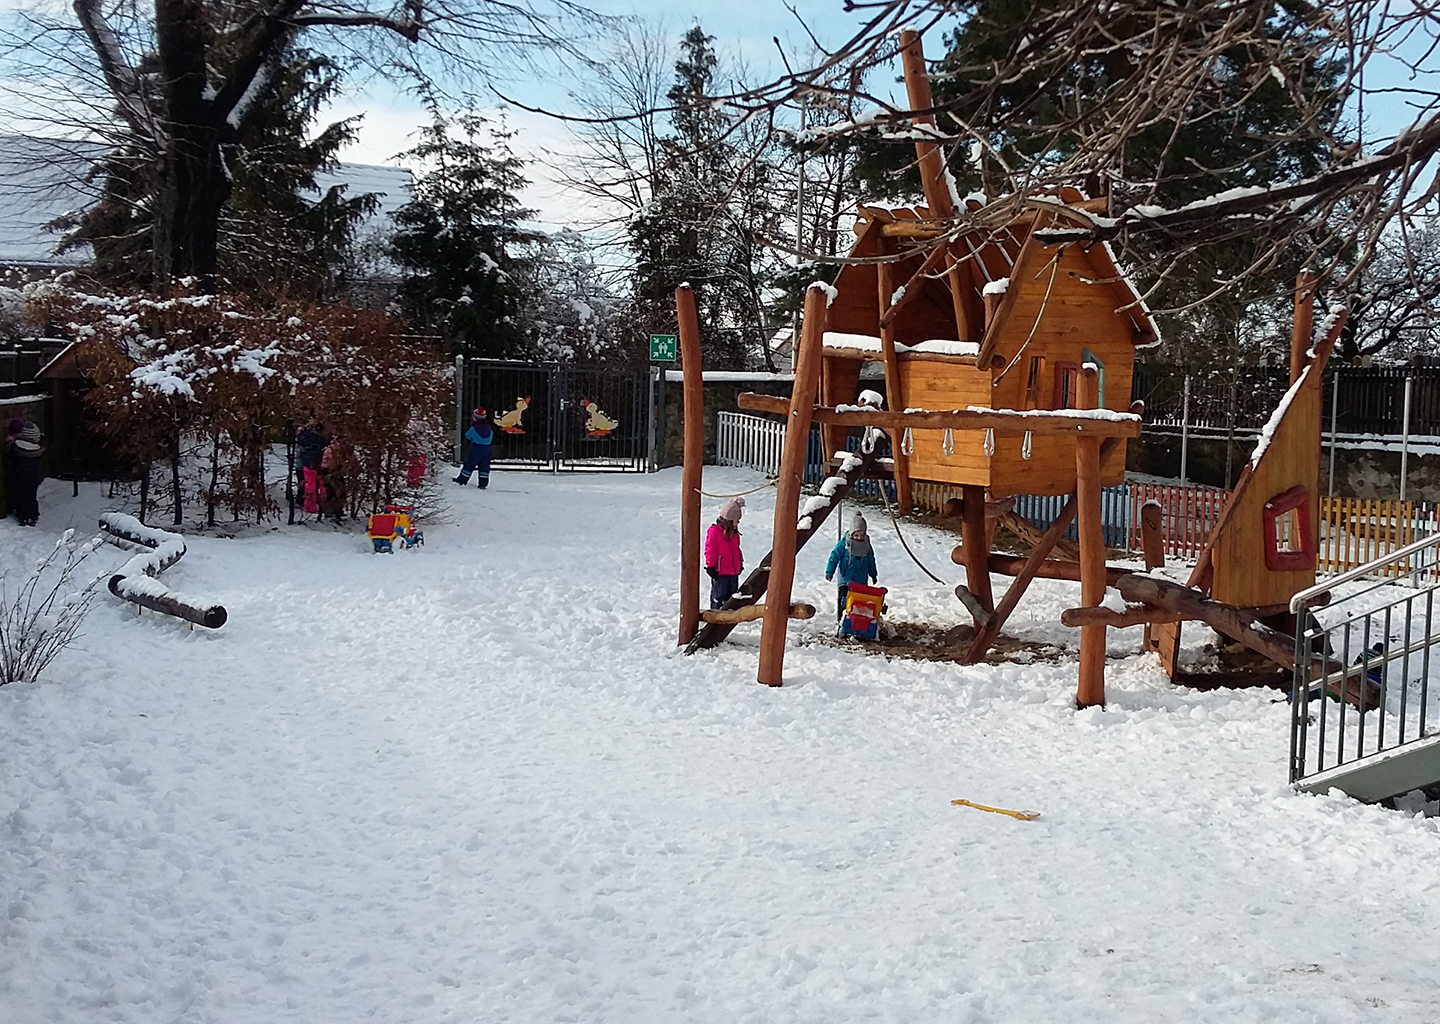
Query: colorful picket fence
{"type": "Point", "coordinates": [1353, 531]}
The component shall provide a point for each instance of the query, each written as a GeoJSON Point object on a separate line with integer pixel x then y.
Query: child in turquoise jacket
{"type": "Point", "coordinates": [854, 559]}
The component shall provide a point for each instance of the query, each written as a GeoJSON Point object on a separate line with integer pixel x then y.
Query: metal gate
{"type": "Point", "coordinates": [555, 416]}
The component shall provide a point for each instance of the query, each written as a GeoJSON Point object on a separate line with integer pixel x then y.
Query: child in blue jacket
{"type": "Point", "coordinates": [853, 557]}
{"type": "Point", "coordinates": [480, 435]}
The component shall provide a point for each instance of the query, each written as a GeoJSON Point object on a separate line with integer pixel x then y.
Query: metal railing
{"type": "Point", "coordinates": [1362, 690]}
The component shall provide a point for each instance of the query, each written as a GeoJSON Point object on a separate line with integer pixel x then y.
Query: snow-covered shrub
{"type": "Point", "coordinates": [41, 614]}
{"type": "Point", "coordinates": [215, 381]}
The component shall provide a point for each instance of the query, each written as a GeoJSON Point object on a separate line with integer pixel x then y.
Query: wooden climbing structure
{"type": "Point", "coordinates": [1007, 354]}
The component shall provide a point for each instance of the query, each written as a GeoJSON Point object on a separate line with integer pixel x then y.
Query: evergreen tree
{"type": "Point", "coordinates": [456, 239]}
{"type": "Point", "coordinates": [1246, 130]}
{"type": "Point", "coordinates": [707, 199]}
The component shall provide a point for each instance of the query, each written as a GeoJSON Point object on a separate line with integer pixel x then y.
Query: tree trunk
{"type": "Point", "coordinates": [195, 186]}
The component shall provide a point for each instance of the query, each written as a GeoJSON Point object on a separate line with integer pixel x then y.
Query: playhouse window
{"type": "Point", "coordinates": [1067, 379]}
{"type": "Point", "coordinates": [1033, 382]}
{"type": "Point", "coordinates": [1289, 538]}
{"type": "Point", "coordinates": [1090, 357]}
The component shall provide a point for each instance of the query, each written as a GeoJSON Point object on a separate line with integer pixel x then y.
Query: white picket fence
{"type": "Point", "coordinates": [749, 441]}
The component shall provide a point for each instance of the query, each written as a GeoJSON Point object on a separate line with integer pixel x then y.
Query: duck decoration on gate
{"type": "Point", "coordinates": [510, 422]}
{"type": "Point", "coordinates": [597, 424]}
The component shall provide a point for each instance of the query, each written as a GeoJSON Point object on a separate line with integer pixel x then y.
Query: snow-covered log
{"type": "Point", "coordinates": [136, 582]}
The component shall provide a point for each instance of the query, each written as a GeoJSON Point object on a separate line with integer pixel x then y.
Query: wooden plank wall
{"type": "Point", "coordinates": [935, 385]}
{"type": "Point", "coordinates": [1292, 458]}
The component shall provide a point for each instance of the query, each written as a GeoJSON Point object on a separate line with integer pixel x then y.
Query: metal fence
{"type": "Point", "coordinates": [559, 416]}
{"type": "Point", "coordinates": [1363, 400]}
{"type": "Point", "coordinates": [1353, 531]}
{"type": "Point", "coordinates": [1364, 709]}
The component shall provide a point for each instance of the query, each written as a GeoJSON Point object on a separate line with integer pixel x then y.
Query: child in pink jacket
{"type": "Point", "coordinates": [723, 560]}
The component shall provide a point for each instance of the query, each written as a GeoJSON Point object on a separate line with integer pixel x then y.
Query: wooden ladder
{"type": "Point", "coordinates": [753, 588]}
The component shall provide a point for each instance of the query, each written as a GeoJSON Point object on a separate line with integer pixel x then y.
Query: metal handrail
{"type": "Point", "coordinates": [1307, 595]}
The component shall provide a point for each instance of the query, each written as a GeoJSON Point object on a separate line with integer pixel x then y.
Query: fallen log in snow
{"type": "Point", "coordinates": [136, 582]}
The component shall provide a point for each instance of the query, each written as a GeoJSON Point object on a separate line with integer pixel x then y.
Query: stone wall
{"type": "Point", "coordinates": [1362, 470]}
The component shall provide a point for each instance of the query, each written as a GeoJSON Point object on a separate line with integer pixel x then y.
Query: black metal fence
{"type": "Point", "coordinates": [1371, 400]}
{"type": "Point", "coordinates": [559, 416]}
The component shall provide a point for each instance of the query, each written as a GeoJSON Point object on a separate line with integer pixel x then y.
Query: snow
{"type": "Point", "coordinates": [731, 376]}
{"type": "Point", "coordinates": [997, 287]}
{"type": "Point", "coordinates": [1267, 432]}
{"type": "Point", "coordinates": [476, 782]}
{"type": "Point", "coordinates": [871, 343]}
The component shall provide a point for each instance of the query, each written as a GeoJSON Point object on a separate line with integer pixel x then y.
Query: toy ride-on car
{"type": "Point", "coordinates": [394, 527]}
{"type": "Point", "coordinates": [863, 605]}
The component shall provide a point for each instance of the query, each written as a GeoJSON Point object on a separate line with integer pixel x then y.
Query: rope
{"type": "Point", "coordinates": [885, 495]}
{"type": "Point", "coordinates": [740, 494]}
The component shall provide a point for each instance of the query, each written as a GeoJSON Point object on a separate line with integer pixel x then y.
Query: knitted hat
{"type": "Point", "coordinates": [857, 523]}
{"type": "Point", "coordinates": [479, 414]}
{"type": "Point", "coordinates": [29, 439]}
{"type": "Point", "coordinates": [732, 509]}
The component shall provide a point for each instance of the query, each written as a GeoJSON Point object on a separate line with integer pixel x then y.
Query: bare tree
{"type": "Point", "coordinates": [1085, 77]}
{"type": "Point", "coordinates": [176, 83]}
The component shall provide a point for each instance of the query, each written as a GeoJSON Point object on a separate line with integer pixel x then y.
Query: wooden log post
{"type": "Point", "coordinates": [787, 487]}
{"type": "Point", "coordinates": [751, 612]}
{"type": "Point", "coordinates": [1046, 569]}
{"type": "Point", "coordinates": [931, 160]}
{"type": "Point", "coordinates": [1304, 323]}
{"type": "Point", "coordinates": [975, 550]}
{"type": "Point", "coordinates": [1152, 543]}
{"type": "Point", "coordinates": [894, 392]}
{"type": "Point", "coordinates": [694, 462]}
{"type": "Point", "coordinates": [1091, 688]}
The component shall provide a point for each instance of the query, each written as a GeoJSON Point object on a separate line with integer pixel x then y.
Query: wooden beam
{"type": "Point", "coordinates": [1133, 615]}
{"type": "Point", "coordinates": [1223, 618]}
{"type": "Point", "coordinates": [918, 229]}
{"type": "Point", "coordinates": [693, 464]}
{"type": "Point", "coordinates": [954, 508]}
{"type": "Point", "coordinates": [928, 153]}
{"type": "Point", "coordinates": [1304, 327]}
{"type": "Point", "coordinates": [787, 486]}
{"type": "Point", "coordinates": [1152, 542]}
{"type": "Point", "coordinates": [975, 550]}
{"type": "Point", "coordinates": [751, 612]}
{"type": "Point", "coordinates": [912, 287]}
{"type": "Point", "coordinates": [894, 390]}
{"type": "Point", "coordinates": [1048, 569]}
{"type": "Point", "coordinates": [1002, 421]}
{"type": "Point", "coordinates": [1091, 689]}
{"type": "Point", "coordinates": [1026, 569]}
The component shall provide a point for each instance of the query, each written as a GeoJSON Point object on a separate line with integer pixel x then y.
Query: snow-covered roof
{"type": "Point", "coordinates": [993, 253]}
{"type": "Point", "coordinates": [43, 179]}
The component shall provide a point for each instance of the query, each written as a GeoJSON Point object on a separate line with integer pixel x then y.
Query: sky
{"type": "Point", "coordinates": [742, 30]}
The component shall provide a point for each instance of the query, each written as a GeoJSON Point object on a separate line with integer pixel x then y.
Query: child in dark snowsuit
{"type": "Point", "coordinates": [22, 466]}
{"type": "Point", "coordinates": [477, 460]}
{"type": "Point", "coordinates": [854, 559]}
{"type": "Point", "coordinates": [723, 560]}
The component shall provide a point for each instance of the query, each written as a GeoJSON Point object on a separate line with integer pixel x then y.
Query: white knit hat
{"type": "Point", "coordinates": [732, 509]}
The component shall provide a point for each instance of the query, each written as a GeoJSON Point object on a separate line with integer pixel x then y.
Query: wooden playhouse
{"type": "Point", "coordinates": [994, 319]}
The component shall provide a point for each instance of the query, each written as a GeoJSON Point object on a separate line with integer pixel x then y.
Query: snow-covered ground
{"type": "Point", "coordinates": [476, 782]}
